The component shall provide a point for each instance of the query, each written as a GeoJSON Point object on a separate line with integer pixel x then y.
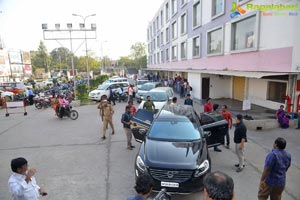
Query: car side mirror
{"type": "Point", "coordinates": [206, 134]}
{"type": "Point", "coordinates": [142, 131]}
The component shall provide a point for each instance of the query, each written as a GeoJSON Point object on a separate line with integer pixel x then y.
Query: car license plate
{"type": "Point", "coordinates": [169, 184]}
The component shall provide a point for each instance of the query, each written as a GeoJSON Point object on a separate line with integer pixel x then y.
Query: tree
{"type": "Point", "coordinates": [138, 53]}
{"type": "Point", "coordinates": [61, 58]}
{"type": "Point", "coordinates": [126, 61]}
{"type": "Point", "coordinates": [40, 58]}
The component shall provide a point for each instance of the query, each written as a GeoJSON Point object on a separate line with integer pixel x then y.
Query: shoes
{"type": "Point", "coordinates": [113, 132]}
{"type": "Point", "coordinates": [227, 146]}
{"type": "Point", "coordinates": [129, 148]}
{"type": "Point", "coordinates": [217, 149]}
{"type": "Point", "coordinates": [237, 165]}
{"type": "Point", "coordinates": [239, 169]}
{"type": "Point", "coordinates": [103, 137]}
{"type": "Point", "coordinates": [132, 146]}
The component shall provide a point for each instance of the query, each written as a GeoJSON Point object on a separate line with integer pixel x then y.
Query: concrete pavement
{"type": "Point", "coordinates": [73, 163]}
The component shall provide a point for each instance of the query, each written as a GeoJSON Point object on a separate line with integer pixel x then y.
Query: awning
{"type": "Point", "coordinates": [248, 74]}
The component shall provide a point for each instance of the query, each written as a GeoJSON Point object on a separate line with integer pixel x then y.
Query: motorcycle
{"type": "Point", "coordinates": [121, 97]}
{"type": "Point", "coordinates": [67, 112]}
{"type": "Point", "coordinates": [41, 102]}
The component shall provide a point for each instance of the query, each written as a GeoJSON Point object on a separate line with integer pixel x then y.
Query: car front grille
{"type": "Point", "coordinates": [177, 176]}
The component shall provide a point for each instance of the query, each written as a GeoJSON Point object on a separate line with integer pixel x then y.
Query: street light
{"type": "Point", "coordinates": [86, 51]}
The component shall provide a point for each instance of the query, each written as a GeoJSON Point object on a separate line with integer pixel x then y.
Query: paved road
{"type": "Point", "coordinates": [74, 164]}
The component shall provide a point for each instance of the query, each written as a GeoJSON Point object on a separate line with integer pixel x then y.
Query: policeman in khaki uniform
{"type": "Point", "coordinates": [106, 113]}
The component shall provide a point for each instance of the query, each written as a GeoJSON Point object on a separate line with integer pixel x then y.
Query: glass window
{"type": "Point", "coordinates": [154, 59]}
{"type": "Point", "coordinates": [167, 55]}
{"type": "Point", "coordinates": [217, 7]}
{"type": "Point", "coordinates": [103, 87]}
{"type": "Point", "coordinates": [158, 42]}
{"type": "Point", "coordinates": [157, 23]}
{"type": "Point", "coordinates": [174, 52]}
{"type": "Point", "coordinates": [174, 6]}
{"type": "Point", "coordinates": [161, 18]}
{"type": "Point", "coordinates": [162, 56]}
{"type": "Point", "coordinates": [183, 24]}
{"type": "Point", "coordinates": [158, 96]}
{"type": "Point", "coordinates": [197, 14]}
{"type": "Point", "coordinates": [183, 50]}
{"type": "Point", "coordinates": [276, 91]}
{"type": "Point", "coordinates": [243, 33]}
{"type": "Point", "coordinates": [167, 12]}
{"type": "Point", "coordinates": [154, 43]}
{"type": "Point", "coordinates": [196, 46]}
{"type": "Point", "coordinates": [162, 38]}
{"type": "Point", "coordinates": [174, 30]}
{"type": "Point", "coordinates": [167, 35]}
{"type": "Point", "coordinates": [215, 41]}
{"type": "Point", "coordinates": [172, 130]}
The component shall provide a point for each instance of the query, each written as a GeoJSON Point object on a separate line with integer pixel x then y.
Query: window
{"type": "Point", "coordinates": [161, 38]}
{"type": "Point", "coordinates": [174, 30]}
{"type": "Point", "coordinates": [167, 55]}
{"type": "Point", "coordinates": [183, 50]}
{"type": "Point", "coordinates": [218, 7]}
{"type": "Point", "coordinates": [197, 14]}
{"type": "Point", "coordinates": [154, 59]}
{"type": "Point", "coordinates": [243, 33]}
{"type": "Point", "coordinates": [167, 12]}
{"type": "Point", "coordinates": [174, 52]}
{"type": "Point", "coordinates": [183, 24]}
{"type": "Point", "coordinates": [174, 6]}
{"type": "Point", "coordinates": [196, 46]}
{"type": "Point", "coordinates": [167, 35]}
{"type": "Point", "coordinates": [215, 41]}
{"type": "Point", "coordinates": [149, 48]}
{"type": "Point", "coordinates": [157, 23]}
{"type": "Point", "coordinates": [276, 91]}
{"type": "Point", "coordinates": [154, 44]}
{"type": "Point", "coordinates": [162, 56]}
{"type": "Point", "coordinates": [148, 34]}
{"type": "Point", "coordinates": [158, 60]}
{"type": "Point", "coordinates": [158, 42]}
{"type": "Point", "coordinates": [150, 30]}
{"type": "Point", "coordinates": [154, 28]}
{"type": "Point", "coordinates": [161, 18]}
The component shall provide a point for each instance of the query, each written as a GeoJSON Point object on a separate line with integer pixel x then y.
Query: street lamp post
{"type": "Point", "coordinates": [86, 50]}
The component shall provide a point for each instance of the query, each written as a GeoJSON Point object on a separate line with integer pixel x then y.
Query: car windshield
{"type": "Point", "coordinates": [102, 87]}
{"type": "Point", "coordinates": [182, 130]}
{"type": "Point", "coordinates": [141, 82]}
{"type": "Point", "coordinates": [158, 96]}
{"type": "Point", "coordinates": [147, 87]}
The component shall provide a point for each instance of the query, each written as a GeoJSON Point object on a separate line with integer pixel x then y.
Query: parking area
{"type": "Point", "coordinates": [74, 163]}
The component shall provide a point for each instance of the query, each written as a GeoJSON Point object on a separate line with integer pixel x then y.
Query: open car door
{"type": "Point", "coordinates": [216, 125]}
{"type": "Point", "coordinates": [142, 120]}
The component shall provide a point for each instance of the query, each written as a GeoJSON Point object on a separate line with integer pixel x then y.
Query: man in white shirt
{"type": "Point", "coordinates": [22, 183]}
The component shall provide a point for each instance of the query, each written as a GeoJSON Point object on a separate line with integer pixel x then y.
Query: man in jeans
{"type": "Point", "coordinates": [277, 163]}
{"type": "Point", "coordinates": [126, 117]}
{"type": "Point", "coordinates": [240, 138]}
{"type": "Point", "coordinates": [227, 115]}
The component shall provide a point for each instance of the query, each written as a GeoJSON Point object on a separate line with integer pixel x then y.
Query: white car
{"type": "Point", "coordinates": [159, 96]}
{"type": "Point", "coordinates": [103, 89]}
{"type": "Point", "coordinates": [6, 94]}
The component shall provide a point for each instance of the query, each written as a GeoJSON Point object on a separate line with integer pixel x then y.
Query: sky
{"type": "Point", "coordinates": [120, 23]}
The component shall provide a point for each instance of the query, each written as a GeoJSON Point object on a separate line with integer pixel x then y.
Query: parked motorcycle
{"type": "Point", "coordinates": [42, 102]}
{"type": "Point", "coordinates": [121, 97]}
{"type": "Point", "coordinates": [67, 112]}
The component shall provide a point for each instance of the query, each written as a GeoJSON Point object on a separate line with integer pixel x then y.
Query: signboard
{"type": "Point", "coordinates": [246, 104]}
{"type": "Point", "coordinates": [15, 57]}
{"type": "Point", "coordinates": [26, 57]}
{"type": "Point", "coordinates": [4, 63]}
{"type": "Point", "coordinates": [27, 70]}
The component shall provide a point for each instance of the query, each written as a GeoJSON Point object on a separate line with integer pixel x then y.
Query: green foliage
{"type": "Point", "coordinates": [98, 80]}
{"type": "Point", "coordinates": [82, 94]}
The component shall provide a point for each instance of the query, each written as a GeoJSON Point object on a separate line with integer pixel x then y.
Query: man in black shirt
{"type": "Point", "coordinates": [240, 137]}
{"type": "Point", "coordinates": [126, 117]}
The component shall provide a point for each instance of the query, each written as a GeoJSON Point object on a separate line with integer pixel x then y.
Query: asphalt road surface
{"type": "Point", "coordinates": [73, 163]}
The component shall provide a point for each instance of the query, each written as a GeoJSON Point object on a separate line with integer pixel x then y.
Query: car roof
{"type": "Point", "coordinates": [177, 111]}
{"type": "Point", "coordinates": [163, 89]}
{"type": "Point", "coordinates": [152, 83]}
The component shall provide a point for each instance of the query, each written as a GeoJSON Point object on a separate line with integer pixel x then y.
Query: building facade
{"type": "Point", "coordinates": [244, 50]}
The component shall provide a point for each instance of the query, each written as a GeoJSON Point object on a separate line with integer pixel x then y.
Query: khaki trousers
{"type": "Point", "coordinates": [128, 133]}
{"type": "Point", "coordinates": [240, 154]}
{"type": "Point", "coordinates": [104, 125]}
{"type": "Point", "coordinates": [273, 191]}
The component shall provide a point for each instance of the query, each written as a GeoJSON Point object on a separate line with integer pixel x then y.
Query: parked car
{"type": "Point", "coordinates": [8, 94]}
{"type": "Point", "coordinates": [145, 88]}
{"type": "Point", "coordinates": [141, 82]}
{"type": "Point", "coordinates": [103, 89]}
{"type": "Point", "coordinates": [15, 90]}
{"type": "Point", "coordinates": [159, 96]}
{"type": "Point", "coordinates": [174, 149]}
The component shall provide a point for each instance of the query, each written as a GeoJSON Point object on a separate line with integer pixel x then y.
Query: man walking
{"type": "Point", "coordinates": [106, 113]}
{"type": "Point", "coordinates": [126, 117]}
{"type": "Point", "coordinates": [273, 178]}
{"type": "Point", "coordinates": [188, 100]}
{"type": "Point", "coordinates": [227, 116]}
{"type": "Point", "coordinates": [240, 138]}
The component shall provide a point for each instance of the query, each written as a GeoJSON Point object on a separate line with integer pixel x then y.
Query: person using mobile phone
{"type": "Point", "coordinates": [22, 183]}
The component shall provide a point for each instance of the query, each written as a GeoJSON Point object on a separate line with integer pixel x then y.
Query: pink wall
{"type": "Point", "coordinates": [274, 60]}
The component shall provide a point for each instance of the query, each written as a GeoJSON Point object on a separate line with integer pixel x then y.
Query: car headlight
{"type": "Point", "coordinates": [98, 93]}
{"type": "Point", "coordinates": [140, 164]}
{"type": "Point", "coordinates": [202, 168]}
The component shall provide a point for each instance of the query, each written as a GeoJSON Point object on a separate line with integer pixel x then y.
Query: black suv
{"type": "Point", "coordinates": [174, 150]}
